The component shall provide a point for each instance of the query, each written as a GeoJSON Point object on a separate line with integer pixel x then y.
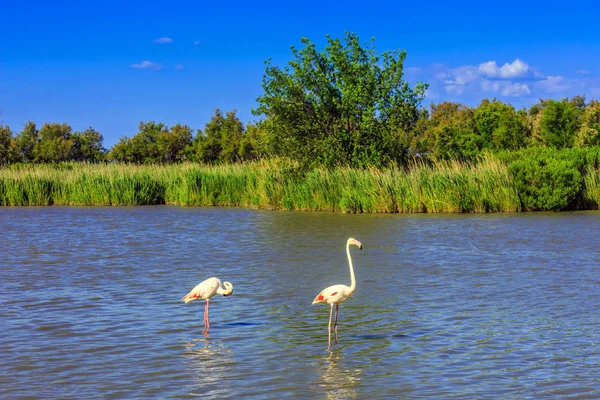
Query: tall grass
{"type": "Point", "coordinates": [276, 184]}
{"type": "Point", "coordinates": [591, 190]}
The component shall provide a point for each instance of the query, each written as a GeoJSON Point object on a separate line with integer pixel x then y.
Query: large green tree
{"type": "Point", "coordinates": [172, 143]}
{"type": "Point", "coordinates": [222, 139]}
{"type": "Point", "coordinates": [344, 105]}
{"type": "Point", "coordinates": [556, 122]}
{"type": "Point", "coordinates": [142, 148]}
{"type": "Point", "coordinates": [87, 146]}
{"type": "Point", "coordinates": [451, 132]}
{"type": "Point", "coordinates": [55, 143]}
{"type": "Point", "coordinates": [500, 125]}
{"type": "Point", "coordinates": [25, 143]}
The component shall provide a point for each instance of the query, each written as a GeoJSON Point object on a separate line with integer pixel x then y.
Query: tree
{"type": "Point", "coordinates": [500, 126]}
{"type": "Point", "coordinates": [253, 143]}
{"type": "Point", "coordinates": [122, 151]}
{"type": "Point", "coordinates": [87, 146]}
{"type": "Point", "coordinates": [172, 143]}
{"type": "Point", "coordinates": [154, 143]}
{"type": "Point", "coordinates": [221, 139]}
{"type": "Point", "coordinates": [589, 132]}
{"type": "Point", "coordinates": [145, 147]}
{"type": "Point", "coordinates": [142, 148]}
{"type": "Point", "coordinates": [55, 143]}
{"type": "Point", "coordinates": [451, 132]}
{"type": "Point", "coordinates": [6, 138]}
{"type": "Point", "coordinates": [557, 122]}
{"type": "Point", "coordinates": [25, 143]}
{"type": "Point", "coordinates": [345, 105]}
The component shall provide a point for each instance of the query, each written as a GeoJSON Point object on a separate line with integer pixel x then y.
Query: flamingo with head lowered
{"type": "Point", "coordinates": [205, 290]}
{"type": "Point", "coordinates": [338, 293]}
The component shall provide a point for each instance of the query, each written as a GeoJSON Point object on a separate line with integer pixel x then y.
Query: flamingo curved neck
{"type": "Point", "coordinates": [224, 291]}
{"type": "Point", "coordinates": [352, 278]}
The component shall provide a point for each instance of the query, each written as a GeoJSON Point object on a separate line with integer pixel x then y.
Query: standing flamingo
{"type": "Point", "coordinates": [205, 290]}
{"type": "Point", "coordinates": [338, 293]}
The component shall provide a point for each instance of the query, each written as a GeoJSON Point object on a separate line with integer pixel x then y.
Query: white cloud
{"type": "Point", "coordinates": [490, 86]}
{"type": "Point", "coordinates": [465, 74]}
{"type": "Point", "coordinates": [454, 89]}
{"type": "Point", "coordinates": [146, 65]}
{"type": "Point", "coordinates": [516, 79]}
{"type": "Point", "coordinates": [516, 69]}
{"type": "Point", "coordinates": [196, 43]}
{"type": "Point", "coordinates": [554, 84]}
{"type": "Point", "coordinates": [506, 88]}
{"type": "Point", "coordinates": [515, 89]}
{"type": "Point", "coordinates": [179, 67]}
{"type": "Point", "coordinates": [163, 40]}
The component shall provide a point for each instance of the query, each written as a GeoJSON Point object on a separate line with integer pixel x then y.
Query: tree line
{"type": "Point", "coordinates": [343, 105]}
{"type": "Point", "coordinates": [446, 130]}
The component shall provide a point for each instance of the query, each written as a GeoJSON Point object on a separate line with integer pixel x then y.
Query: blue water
{"type": "Point", "coordinates": [446, 306]}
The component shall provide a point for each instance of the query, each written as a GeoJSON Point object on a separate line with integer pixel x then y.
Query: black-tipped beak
{"type": "Point", "coordinates": [227, 295]}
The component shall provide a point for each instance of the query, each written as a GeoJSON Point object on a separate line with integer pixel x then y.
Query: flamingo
{"type": "Point", "coordinates": [205, 290]}
{"type": "Point", "coordinates": [338, 293]}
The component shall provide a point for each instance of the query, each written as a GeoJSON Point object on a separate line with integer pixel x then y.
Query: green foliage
{"type": "Point", "coordinates": [154, 143]}
{"type": "Point", "coordinates": [25, 142]}
{"type": "Point", "coordinates": [87, 146]}
{"type": "Point", "coordinates": [547, 179]}
{"type": "Point", "coordinates": [6, 138]}
{"type": "Point", "coordinates": [558, 123]}
{"type": "Point", "coordinates": [451, 133]}
{"type": "Point", "coordinates": [253, 143]}
{"type": "Point", "coordinates": [275, 184]}
{"type": "Point", "coordinates": [122, 151]}
{"type": "Point", "coordinates": [55, 143]}
{"type": "Point", "coordinates": [145, 147]}
{"type": "Point", "coordinates": [173, 143]}
{"type": "Point", "coordinates": [221, 140]}
{"type": "Point", "coordinates": [589, 132]}
{"type": "Point", "coordinates": [500, 126]}
{"type": "Point", "coordinates": [345, 105]}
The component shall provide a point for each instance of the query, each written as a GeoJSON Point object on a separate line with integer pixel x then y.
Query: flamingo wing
{"type": "Point", "coordinates": [332, 294]}
{"type": "Point", "coordinates": [203, 290]}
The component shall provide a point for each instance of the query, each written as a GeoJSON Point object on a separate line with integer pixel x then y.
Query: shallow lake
{"type": "Point", "coordinates": [446, 306]}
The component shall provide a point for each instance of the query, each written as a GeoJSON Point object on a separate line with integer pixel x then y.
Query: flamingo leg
{"type": "Point", "coordinates": [329, 328]}
{"type": "Point", "coordinates": [207, 317]}
{"type": "Point", "coordinates": [206, 323]}
{"type": "Point", "coordinates": [337, 306]}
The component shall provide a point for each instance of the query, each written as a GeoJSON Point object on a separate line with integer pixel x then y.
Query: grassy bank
{"type": "Point", "coordinates": [440, 187]}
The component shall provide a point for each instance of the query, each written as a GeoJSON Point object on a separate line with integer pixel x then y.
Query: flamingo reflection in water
{"type": "Point", "coordinates": [336, 379]}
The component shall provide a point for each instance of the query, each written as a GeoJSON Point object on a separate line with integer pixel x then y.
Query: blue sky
{"type": "Point", "coordinates": [112, 64]}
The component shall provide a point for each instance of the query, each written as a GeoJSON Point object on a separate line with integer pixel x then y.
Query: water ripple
{"type": "Point", "coordinates": [452, 306]}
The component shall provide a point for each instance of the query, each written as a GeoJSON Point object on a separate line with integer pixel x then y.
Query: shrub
{"type": "Point", "coordinates": [546, 179]}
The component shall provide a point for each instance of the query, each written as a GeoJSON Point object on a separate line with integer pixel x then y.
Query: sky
{"type": "Point", "coordinates": [112, 64]}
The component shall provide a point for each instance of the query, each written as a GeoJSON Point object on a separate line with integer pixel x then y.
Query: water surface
{"type": "Point", "coordinates": [447, 306]}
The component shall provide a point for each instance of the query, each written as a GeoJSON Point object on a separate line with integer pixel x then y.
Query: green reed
{"type": "Point", "coordinates": [275, 184]}
{"type": "Point", "coordinates": [591, 191]}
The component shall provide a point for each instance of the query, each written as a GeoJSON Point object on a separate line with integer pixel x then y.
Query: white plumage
{"type": "Point", "coordinates": [336, 294]}
{"type": "Point", "coordinates": [204, 291]}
